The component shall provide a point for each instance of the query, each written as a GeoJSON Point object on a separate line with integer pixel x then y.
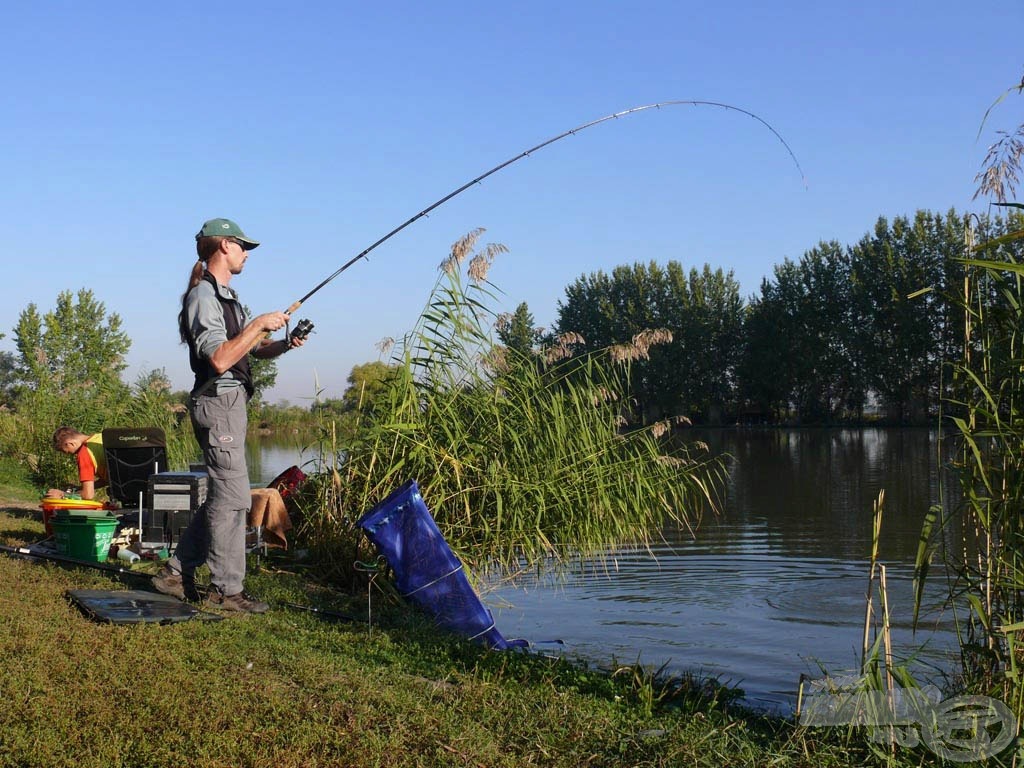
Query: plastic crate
{"type": "Point", "coordinates": [82, 537]}
{"type": "Point", "coordinates": [52, 506]}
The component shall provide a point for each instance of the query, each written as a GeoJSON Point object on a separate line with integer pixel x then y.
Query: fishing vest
{"type": "Point", "coordinates": [240, 371]}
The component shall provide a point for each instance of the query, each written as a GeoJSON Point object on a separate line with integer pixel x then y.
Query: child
{"type": "Point", "coordinates": [92, 463]}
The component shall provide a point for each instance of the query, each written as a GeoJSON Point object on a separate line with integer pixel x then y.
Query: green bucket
{"type": "Point", "coordinates": [84, 537]}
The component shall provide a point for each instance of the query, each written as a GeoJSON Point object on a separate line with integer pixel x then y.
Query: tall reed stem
{"type": "Point", "coordinates": [876, 536]}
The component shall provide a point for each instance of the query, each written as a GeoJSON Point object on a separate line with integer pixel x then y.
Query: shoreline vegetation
{"type": "Point", "coordinates": [303, 431]}
{"type": "Point", "coordinates": [293, 688]}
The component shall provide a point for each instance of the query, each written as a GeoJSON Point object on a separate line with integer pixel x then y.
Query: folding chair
{"type": "Point", "coordinates": [133, 454]}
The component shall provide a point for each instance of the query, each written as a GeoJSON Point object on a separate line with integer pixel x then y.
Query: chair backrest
{"type": "Point", "coordinates": [133, 454]}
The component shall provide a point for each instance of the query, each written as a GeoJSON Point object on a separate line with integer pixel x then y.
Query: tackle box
{"type": "Point", "coordinates": [172, 498]}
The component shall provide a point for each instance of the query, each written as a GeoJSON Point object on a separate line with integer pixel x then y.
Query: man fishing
{"type": "Point", "coordinates": [220, 339]}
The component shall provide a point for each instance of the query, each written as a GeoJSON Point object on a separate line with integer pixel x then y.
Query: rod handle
{"type": "Point", "coordinates": [289, 311]}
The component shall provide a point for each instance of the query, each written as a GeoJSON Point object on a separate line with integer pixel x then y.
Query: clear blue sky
{"type": "Point", "coordinates": [320, 126]}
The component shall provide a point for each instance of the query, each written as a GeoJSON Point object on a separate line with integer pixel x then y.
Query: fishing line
{"type": "Point", "coordinates": [526, 153]}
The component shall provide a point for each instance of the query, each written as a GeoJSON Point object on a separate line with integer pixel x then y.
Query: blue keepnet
{"type": "Point", "coordinates": [426, 570]}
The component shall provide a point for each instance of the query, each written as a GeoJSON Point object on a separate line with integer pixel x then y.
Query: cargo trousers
{"type": "Point", "coordinates": [216, 534]}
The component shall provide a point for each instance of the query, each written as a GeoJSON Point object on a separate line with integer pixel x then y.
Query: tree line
{"type": "Point", "coordinates": [844, 334]}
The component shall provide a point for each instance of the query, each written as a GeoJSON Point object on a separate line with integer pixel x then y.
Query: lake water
{"type": "Point", "coordinates": [771, 588]}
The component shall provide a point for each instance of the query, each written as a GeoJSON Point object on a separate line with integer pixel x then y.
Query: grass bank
{"type": "Point", "coordinates": [291, 689]}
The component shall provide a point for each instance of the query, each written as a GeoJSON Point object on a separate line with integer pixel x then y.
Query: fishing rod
{"type": "Point", "coordinates": [526, 153]}
{"type": "Point", "coordinates": [65, 560]}
{"type": "Point", "coordinates": [321, 612]}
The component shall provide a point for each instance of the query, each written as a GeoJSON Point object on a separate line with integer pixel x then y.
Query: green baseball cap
{"type": "Point", "coordinates": [226, 228]}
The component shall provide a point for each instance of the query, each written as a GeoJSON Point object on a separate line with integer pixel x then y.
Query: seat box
{"type": "Point", "coordinates": [166, 526]}
{"type": "Point", "coordinates": [178, 491]}
{"type": "Point", "coordinates": [172, 498]}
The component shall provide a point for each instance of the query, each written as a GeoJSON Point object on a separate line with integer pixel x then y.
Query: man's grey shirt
{"type": "Point", "coordinates": [206, 324]}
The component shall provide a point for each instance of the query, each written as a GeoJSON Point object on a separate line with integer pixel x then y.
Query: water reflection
{"type": "Point", "coordinates": [814, 489]}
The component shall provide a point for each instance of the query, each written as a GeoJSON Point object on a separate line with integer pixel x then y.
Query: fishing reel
{"type": "Point", "coordinates": [301, 330]}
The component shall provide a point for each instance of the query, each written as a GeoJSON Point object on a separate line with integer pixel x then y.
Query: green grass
{"type": "Point", "coordinates": [291, 689]}
{"type": "Point", "coordinates": [16, 487]}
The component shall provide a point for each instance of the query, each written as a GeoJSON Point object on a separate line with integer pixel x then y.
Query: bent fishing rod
{"type": "Point", "coordinates": [526, 153]}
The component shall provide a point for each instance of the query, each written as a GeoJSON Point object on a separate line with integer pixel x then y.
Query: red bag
{"type": "Point", "coordinates": [288, 481]}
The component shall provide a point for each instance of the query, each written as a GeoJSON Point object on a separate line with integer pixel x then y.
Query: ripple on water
{"type": "Point", "coordinates": [750, 617]}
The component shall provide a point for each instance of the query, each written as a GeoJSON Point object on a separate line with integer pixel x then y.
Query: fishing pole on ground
{"type": "Point", "coordinates": [526, 153]}
{"type": "Point", "coordinates": [63, 559]}
{"type": "Point", "coordinates": [334, 615]}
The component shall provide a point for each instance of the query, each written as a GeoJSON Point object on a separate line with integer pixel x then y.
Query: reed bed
{"type": "Point", "coordinates": [522, 461]}
{"type": "Point", "coordinates": [985, 411]}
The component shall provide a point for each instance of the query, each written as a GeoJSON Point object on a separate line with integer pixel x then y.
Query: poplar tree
{"type": "Point", "coordinates": [518, 333]}
{"type": "Point", "coordinates": [74, 349]}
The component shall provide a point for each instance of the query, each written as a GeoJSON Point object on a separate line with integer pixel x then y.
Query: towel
{"type": "Point", "coordinates": [268, 510]}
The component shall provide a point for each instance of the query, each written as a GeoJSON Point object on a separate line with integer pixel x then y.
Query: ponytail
{"type": "Point", "coordinates": [205, 248]}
